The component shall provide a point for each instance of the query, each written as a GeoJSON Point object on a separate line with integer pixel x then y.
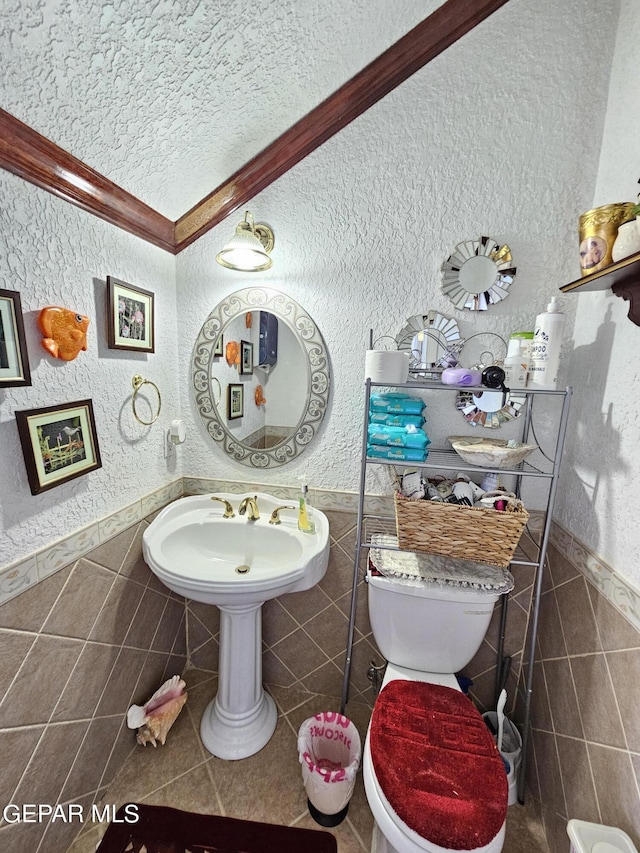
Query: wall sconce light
{"type": "Point", "coordinates": [248, 249]}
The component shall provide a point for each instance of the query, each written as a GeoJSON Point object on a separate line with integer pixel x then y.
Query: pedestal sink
{"type": "Point", "coordinates": [237, 564]}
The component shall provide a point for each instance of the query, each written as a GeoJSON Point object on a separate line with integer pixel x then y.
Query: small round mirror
{"type": "Point", "coordinates": [431, 340]}
{"type": "Point", "coordinates": [478, 274]}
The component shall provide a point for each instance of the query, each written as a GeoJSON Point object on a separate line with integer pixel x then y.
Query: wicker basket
{"type": "Point", "coordinates": [462, 532]}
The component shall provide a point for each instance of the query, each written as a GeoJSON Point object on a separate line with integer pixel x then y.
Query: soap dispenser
{"type": "Point", "coordinates": [305, 511]}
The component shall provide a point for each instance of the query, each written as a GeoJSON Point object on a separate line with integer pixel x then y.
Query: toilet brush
{"type": "Point", "coordinates": [502, 699]}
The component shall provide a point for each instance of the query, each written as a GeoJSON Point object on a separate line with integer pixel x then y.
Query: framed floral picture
{"type": "Point", "coordinates": [130, 317]}
{"type": "Point", "coordinates": [246, 357]}
{"type": "Point", "coordinates": [14, 360]}
{"type": "Point", "coordinates": [235, 401]}
{"type": "Point", "coordinates": [59, 443]}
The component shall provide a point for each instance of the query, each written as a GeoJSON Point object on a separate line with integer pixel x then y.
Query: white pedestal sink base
{"type": "Point", "coordinates": [238, 738]}
{"type": "Point", "coordinates": [242, 717]}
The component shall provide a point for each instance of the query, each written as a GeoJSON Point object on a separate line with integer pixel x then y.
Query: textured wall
{"type": "Point", "coordinates": [487, 139]}
{"type": "Point", "coordinates": [599, 499]}
{"type": "Point", "coordinates": [227, 77]}
{"type": "Point", "coordinates": [55, 254]}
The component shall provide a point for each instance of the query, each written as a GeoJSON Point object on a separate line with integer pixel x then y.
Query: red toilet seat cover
{"type": "Point", "coordinates": [437, 764]}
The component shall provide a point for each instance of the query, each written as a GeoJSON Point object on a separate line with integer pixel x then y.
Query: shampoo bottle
{"type": "Point", "coordinates": [305, 512]}
{"type": "Point", "coordinates": [547, 342]}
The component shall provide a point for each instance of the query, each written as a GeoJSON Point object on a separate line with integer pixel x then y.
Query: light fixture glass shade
{"type": "Point", "coordinates": [245, 250]}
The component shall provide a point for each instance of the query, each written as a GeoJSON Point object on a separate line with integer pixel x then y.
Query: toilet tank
{"type": "Point", "coordinates": [428, 627]}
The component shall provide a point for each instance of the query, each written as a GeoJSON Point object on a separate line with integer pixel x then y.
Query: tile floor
{"type": "Point", "coordinates": [266, 787]}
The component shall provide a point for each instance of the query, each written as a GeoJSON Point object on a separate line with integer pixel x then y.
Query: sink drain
{"type": "Point", "coordinates": [242, 570]}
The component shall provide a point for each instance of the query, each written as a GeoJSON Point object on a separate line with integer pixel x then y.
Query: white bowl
{"type": "Point", "coordinates": [490, 452]}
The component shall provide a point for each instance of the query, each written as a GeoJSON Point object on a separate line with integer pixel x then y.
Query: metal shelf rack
{"type": "Point", "coordinates": [445, 459]}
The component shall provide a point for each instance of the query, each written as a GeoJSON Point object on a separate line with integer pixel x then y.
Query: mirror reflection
{"type": "Point", "coordinates": [261, 376]}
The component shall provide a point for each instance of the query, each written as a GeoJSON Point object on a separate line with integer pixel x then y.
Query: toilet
{"type": "Point", "coordinates": [433, 776]}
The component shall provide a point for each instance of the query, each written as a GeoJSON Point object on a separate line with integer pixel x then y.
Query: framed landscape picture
{"type": "Point", "coordinates": [235, 401]}
{"type": "Point", "coordinates": [14, 361]}
{"type": "Point", "coordinates": [129, 317]}
{"type": "Point", "coordinates": [246, 357]}
{"type": "Point", "coordinates": [59, 443]}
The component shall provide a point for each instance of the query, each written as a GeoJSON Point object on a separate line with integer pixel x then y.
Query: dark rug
{"type": "Point", "coordinates": [163, 830]}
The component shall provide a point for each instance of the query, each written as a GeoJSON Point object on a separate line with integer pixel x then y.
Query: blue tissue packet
{"type": "Point", "coordinates": [397, 436]}
{"type": "Point", "coordinates": [409, 454]}
{"type": "Point", "coordinates": [402, 404]}
{"type": "Point", "coordinates": [391, 419]}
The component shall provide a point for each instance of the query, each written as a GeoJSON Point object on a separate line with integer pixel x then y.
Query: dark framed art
{"type": "Point", "coordinates": [59, 443]}
{"type": "Point", "coordinates": [235, 401]}
{"type": "Point", "coordinates": [246, 357]}
{"type": "Point", "coordinates": [14, 359]}
{"type": "Point", "coordinates": [130, 320]}
{"type": "Point", "coordinates": [217, 350]}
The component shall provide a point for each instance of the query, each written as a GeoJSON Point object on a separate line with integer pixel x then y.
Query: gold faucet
{"type": "Point", "coordinates": [228, 509]}
{"type": "Point", "coordinates": [252, 505]}
{"type": "Point", "coordinates": [275, 515]}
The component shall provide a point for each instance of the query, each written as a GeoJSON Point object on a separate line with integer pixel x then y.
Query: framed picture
{"type": "Point", "coordinates": [217, 350]}
{"type": "Point", "coordinates": [59, 443]}
{"type": "Point", "coordinates": [129, 317]}
{"type": "Point", "coordinates": [14, 361]}
{"type": "Point", "coordinates": [235, 401]}
{"type": "Point", "coordinates": [246, 357]}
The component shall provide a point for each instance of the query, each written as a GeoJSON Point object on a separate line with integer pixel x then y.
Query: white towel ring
{"type": "Point", "coordinates": [137, 383]}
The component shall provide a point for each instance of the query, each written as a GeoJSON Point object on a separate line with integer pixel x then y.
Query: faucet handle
{"type": "Point", "coordinates": [228, 509]}
{"type": "Point", "coordinates": [275, 515]}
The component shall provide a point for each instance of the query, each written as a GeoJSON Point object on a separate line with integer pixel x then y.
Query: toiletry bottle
{"type": "Point", "coordinates": [518, 360]}
{"type": "Point", "coordinates": [547, 342]}
{"type": "Point", "coordinates": [305, 512]}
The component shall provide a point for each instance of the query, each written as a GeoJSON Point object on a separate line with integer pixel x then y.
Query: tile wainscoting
{"type": "Point", "coordinates": [87, 630]}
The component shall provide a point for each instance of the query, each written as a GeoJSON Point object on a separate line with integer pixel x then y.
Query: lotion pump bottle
{"type": "Point", "coordinates": [305, 512]}
{"type": "Point", "coordinates": [547, 342]}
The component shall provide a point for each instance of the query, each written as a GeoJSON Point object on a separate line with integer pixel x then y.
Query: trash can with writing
{"type": "Point", "coordinates": [329, 751]}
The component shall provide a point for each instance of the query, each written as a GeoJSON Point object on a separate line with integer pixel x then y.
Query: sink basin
{"type": "Point", "coordinates": [236, 564]}
{"type": "Point", "coordinates": [203, 556]}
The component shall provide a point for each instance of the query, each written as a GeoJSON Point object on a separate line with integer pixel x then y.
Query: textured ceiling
{"type": "Point", "coordinates": [168, 99]}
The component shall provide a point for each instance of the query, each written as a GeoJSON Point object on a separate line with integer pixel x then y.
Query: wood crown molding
{"type": "Point", "coordinates": [26, 153]}
{"type": "Point", "coordinates": [39, 161]}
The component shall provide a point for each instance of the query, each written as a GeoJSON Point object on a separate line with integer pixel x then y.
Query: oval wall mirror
{"type": "Point", "coordinates": [478, 274]}
{"type": "Point", "coordinates": [260, 371]}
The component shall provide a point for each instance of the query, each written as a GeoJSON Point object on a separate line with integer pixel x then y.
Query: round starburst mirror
{"type": "Point", "coordinates": [478, 274]}
{"type": "Point", "coordinates": [488, 408]}
{"type": "Point", "coordinates": [432, 340]}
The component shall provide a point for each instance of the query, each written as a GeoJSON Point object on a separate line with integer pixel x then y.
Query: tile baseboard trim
{"type": "Point", "coordinates": [25, 573]}
{"type": "Point", "coordinates": [618, 591]}
{"type": "Point", "coordinates": [30, 570]}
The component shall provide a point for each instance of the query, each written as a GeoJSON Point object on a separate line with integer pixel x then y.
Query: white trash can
{"type": "Point", "coordinates": [596, 838]}
{"type": "Point", "coordinates": [329, 751]}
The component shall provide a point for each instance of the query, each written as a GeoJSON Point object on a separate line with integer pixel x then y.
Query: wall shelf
{"type": "Point", "coordinates": [623, 278]}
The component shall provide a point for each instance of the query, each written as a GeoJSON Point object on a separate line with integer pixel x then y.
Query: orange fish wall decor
{"type": "Point", "coordinates": [64, 331]}
{"type": "Point", "coordinates": [259, 396]}
{"type": "Point", "coordinates": [232, 353]}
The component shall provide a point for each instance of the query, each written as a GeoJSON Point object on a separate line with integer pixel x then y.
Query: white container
{"type": "Point", "coordinates": [518, 361]}
{"type": "Point", "coordinates": [627, 242]}
{"type": "Point", "coordinates": [596, 838]}
{"type": "Point", "coordinates": [547, 343]}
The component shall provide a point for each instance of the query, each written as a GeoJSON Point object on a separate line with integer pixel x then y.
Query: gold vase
{"type": "Point", "coordinates": [598, 229]}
